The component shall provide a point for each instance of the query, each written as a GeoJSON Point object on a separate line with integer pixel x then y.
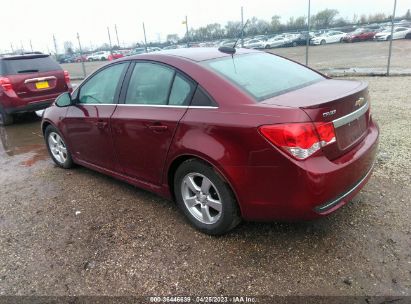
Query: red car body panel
{"type": "Point", "coordinates": [146, 142]}
{"type": "Point", "coordinates": [355, 37]}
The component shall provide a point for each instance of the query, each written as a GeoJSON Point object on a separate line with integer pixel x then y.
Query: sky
{"type": "Point", "coordinates": [37, 21]}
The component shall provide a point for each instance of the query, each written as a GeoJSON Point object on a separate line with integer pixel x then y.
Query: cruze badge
{"type": "Point", "coordinates": [360, 102]}
{"type": "Point", "coordinates": [329, 113]}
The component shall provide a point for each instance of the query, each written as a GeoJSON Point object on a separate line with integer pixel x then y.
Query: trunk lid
{"type": "Point", "coordinates": [343, 102]}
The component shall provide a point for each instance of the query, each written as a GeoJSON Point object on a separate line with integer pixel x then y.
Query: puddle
{"type": "Point", "coordinates": [23, 139]}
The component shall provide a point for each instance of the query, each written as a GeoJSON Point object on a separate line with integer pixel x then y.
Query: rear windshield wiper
{"type": "Point", "coordinates": [27, 71]}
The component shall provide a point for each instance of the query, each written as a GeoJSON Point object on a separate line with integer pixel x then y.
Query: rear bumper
{"type": "Point", "coordinates": [304, 190]}
{"type": "Point", "coordinates": [30, 107]}
{"type": "Point", "coordinates": [14, 104]}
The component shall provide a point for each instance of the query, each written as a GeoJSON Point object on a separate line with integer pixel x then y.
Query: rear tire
{"type": "Point", "coordinates": [205, 198]}
{"type": "Point", "coordinates": [6, 119]}
{"type": "Point", "coordinates": [323, 42]}
{"type": "Point", "coordinates": [388, 38]}
{"type": "Point", "coordinates": [57, 148]}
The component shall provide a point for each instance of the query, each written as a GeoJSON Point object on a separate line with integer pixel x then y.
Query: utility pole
{"type": "Point", "coordinates": [55, 45]}
{"type": "Point", "coordinates": [392, 33]}
{"type": "Point", "coordinates": [12, 49]}
{"type": "Point", "coordinates": [109, 39]}
{"type": "Point", "coordinates": [21, 47]}
{"type": "Point", "coordinates": [118, 41]}
{"type": "Point", "coordinates": [308, 33]}
{"type": "Point", "coordinates": [81, 56]}
{"type": "Point", "coordinates": [242, 28]}
{"type": "Point", "coordinates": [31, 46]}
{"type": "Point", "coordinates": [188, 41]}
{"type": "Point", "coordinates": [145, 38]}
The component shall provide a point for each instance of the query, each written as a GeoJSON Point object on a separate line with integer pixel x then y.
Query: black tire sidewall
{"type": "Point", "coordinates": [229, 215]}
{"type": "Point", "coordinates": [5, 119]}
{"type": "Point", "coordinates": [69, 161]}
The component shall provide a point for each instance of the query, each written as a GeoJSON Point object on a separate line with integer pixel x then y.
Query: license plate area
{"type": "Point", "coordinates": [351, 132]}
{"type": "Point", "coordinates": [42, 85]}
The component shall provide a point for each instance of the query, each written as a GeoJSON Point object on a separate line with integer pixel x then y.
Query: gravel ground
{"type": "Point", "coordinates": [77, 232]}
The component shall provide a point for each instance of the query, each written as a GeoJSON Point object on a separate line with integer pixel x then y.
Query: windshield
{"type": "Point", "coordinates": [263, 75]}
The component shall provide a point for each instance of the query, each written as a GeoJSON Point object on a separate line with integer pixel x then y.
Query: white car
{"type": "Point", "coordinates": [329, 37]}
{"type": "Point", "coordinates": [255, 44]}
{"type": "Point", "coordinates": [102, 55]}
{"type": "Point", "coordinates": [276, 41]}
{"type": "Point", "coordinates": [399, 33]}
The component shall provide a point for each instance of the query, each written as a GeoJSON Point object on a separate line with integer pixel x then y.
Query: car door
{"type": "Point", "coordinates": [87, 122]}
{"type": "Point", "coordinates": [399, 33]}
{"type": "Point", "coordinates": [155, 100]}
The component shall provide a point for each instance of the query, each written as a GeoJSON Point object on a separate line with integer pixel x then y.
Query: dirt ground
{"type": "Point", "coordinates": [77, 232]}
{"type": "Point", "coordinates": [364, 57]}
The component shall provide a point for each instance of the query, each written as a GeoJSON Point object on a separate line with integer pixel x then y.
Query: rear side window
{"type": "Point", "coordinates": [202, 99]}
{"type": "Point", "coordinates": [263, 75]}
{"type": "Point", "coordinates": [149, 84]}
{"type": "Point", "coordinates": [181, 92]}
{"type": "Point", "coordinates": [30, 65]}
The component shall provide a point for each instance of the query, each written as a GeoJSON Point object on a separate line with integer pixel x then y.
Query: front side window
{"type": "Point", "coordinates": [149, 84]}
{"type": "Point", "coordinates": [102, 87]}
{"type": "Point", "coordinates": [263, 75]}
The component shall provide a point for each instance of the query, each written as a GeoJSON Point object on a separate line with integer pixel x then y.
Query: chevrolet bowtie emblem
{"type": "Point", "coordinates": [360, 102]}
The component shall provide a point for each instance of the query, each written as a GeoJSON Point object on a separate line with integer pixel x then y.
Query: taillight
{"type": "Point", "coordinates": [67, 77]}
{"type": "Point", "coordinates": [6, 84]}
{"type": "Point", "coordinates": [300, 140]}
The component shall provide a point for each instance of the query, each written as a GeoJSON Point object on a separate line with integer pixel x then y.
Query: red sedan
{"type": "Point", "coordinates": [361, 34]}
{"type": "Point", "coordinates": [228, 134]}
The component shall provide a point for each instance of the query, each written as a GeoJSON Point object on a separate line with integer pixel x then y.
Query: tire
{"type": "Point", "coordinates": [294, 44]}
{"type": "Point", "coordinates": [388, 38]}
{"type": "Point", "coordinates": [103, 58]}
{"type": "Point", "coordinates": [268, 46]}
{"type": "Point", "coordinates": [90, 59]}
{"type": "Point", "coordinates": [323, 42]}
{"type": "Point", "coordinates": [5, 119]}
{"type": "Point", "coordinates": [408, 36]}
{"type": "Point", "coordinates": [57, 148]}
{"type": "Point", "coordinates": [213, 209]}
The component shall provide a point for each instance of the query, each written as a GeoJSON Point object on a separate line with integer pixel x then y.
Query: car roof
{"type": "Point", "coordinates": [193, 54]}
{"type": "Point", "coordinates": [24, 56]}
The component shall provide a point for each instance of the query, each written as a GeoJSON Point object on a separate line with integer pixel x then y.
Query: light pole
{"type": "Point", "coordinates": [392, 33]}
{"type": "Point", "coordinates": [308, 33]}
{"type": "Point", "coordinates": [81, 56]}
{"type": "Point", "coordinates": [145, 38]}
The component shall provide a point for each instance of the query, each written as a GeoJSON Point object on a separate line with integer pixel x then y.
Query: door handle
{"type": "Point", "coordinates": [101, 124]}
{"type": "Point", "coordinates": [157, 127]}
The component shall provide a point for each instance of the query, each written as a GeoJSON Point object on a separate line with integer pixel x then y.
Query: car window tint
{"type": "Point", "coordinates": [181, 92]}
{"type": "Point", "coordinates": [201, 98]}
{"type": "Point", "coordinates": [149, 84]}
{"type": "Point", "coordinates": [30, 65]}
{"type": "Point", "coordinates": [102, 87]}
{"type": "Point", "coordinates": [263, 75]}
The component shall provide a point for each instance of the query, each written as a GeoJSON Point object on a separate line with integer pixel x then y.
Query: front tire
{"type": "Point", "coordinates": [57, 148]}
{"type": "Point", "coordinates": [205, 198]}
{"type": "Point", "coordinates": [323, 42]}
{"type": "Point", "coordinates": [5, 119]}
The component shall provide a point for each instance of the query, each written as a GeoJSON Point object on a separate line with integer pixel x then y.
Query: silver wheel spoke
{"type": "Point", "coordinates": [205, 185]}
{"type": "Point", "coordinates": [191, 201]}
{"type": "Point", "coordinates": [57, 147]}
{"type": "Point", "coordinates": [215, 204]}
{"type": "Point", "coordinates": [191, 184]}
{"type": "Point", "coordinates": [205, 212]}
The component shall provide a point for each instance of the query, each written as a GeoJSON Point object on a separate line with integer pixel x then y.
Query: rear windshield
{"type": "Point", "coordinates": [29, 65]}
{"type": "Point", "coordinates": [263, 75]}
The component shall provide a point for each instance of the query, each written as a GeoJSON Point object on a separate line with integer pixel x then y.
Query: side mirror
{"type": "Point", "coordinates": [64, 100]}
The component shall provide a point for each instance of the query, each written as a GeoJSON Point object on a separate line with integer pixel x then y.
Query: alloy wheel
{"type": "Point", "coordinates": [57, 147]}
{"type": "Point", "coordinates": [201, 198]}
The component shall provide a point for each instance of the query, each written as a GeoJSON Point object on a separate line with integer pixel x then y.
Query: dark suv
{"type": "Point", "coordinates": [29, 83]}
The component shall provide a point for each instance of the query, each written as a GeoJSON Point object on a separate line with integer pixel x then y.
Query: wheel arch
{"type": "Point", "coordinates": [177, 161]}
